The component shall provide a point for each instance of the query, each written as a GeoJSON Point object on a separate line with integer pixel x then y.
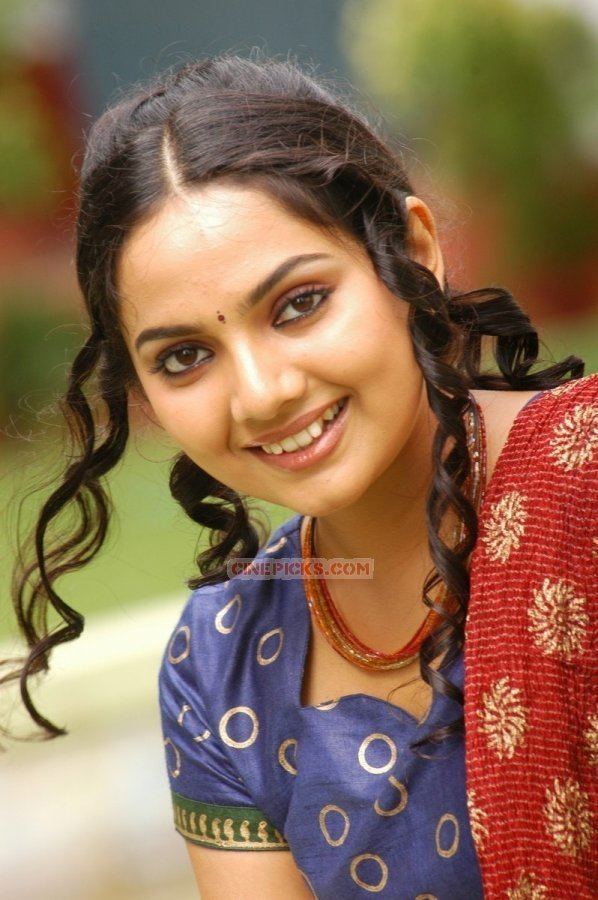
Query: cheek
{"type": "Point", "coordinates": [385, 376]}
{"type": "Point", "coordinates": [372, 346]}
{"type": "Point", "coordinates": [183, 415]}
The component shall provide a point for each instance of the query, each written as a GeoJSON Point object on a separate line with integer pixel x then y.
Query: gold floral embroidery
{"type": "Point", "coordinates": [225, 827]}
{"type": "Point", "coordinates": [591, 739]}
{"type": "Point", "coordinates": [479, 831]}
{"type": "Point", "coordinates": [564, 388]}
{"type": "Point", "coordinates": [504, 718]}
{"type": "Point", "coordinates": [576, 437]}
{"type": "Point", "coordinates": [527, 888]}
{"type": "Point", "coordinates": [506, 526]}
{"type": "Point", "coordinates": [558, 618]}
{"type": "Point", "coordinates": [568, 817]}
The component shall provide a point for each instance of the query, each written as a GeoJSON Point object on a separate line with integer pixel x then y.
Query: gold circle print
{"type": "Point", "coordinates": [282, 755]}
{"type": "Point", "coordinates": [374, 888]}
{"type": "Point", "coordinates": [185, 708]}
{"type": "Point", "coordinates": [447, 817]}
{"type": "Point", "coordinates": [266, 660]}
{"type": "Point", "coordinates": [177, 758]}
{"type": "Point", "coordinates": [274, 547]}
{"type": "Point", "coordinates": [334, 842]}
{"type": "Point", "coordinates": [184, 653]}
{"type": "Point", "coordinates": [309, 884]}
{"type": "Point", "coordinates": [218, 621]}
{"type": "Point", "coordinates": [328, 704]}
{"type": "Point", "coordinates": [377, 770]}
{"type": "Point", "coordinates": [403, 796]}
{"type": "Point", "coordinates": [222, 728]}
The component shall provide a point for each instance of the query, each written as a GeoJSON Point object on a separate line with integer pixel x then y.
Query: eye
{"type": "Point", "coordinates": [302, 302]}
{"type": "Point", "coordinates": [178, 360]}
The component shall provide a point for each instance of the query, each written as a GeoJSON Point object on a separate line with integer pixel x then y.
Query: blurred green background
{"type": "Point", "coordinates": [492, 106]}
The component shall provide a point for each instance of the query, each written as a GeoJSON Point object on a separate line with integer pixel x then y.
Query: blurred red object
{"type": "Point", "coordinates": [26, 235]}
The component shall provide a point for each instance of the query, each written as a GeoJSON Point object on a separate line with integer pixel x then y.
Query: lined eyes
{"type": "Point", "coordinates": [179, 360]}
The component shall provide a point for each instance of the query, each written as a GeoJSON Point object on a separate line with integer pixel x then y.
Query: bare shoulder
{"type": "Point", "coordinates": [500, 409]}
{"type": "Point", "coordinates": [263, 874]}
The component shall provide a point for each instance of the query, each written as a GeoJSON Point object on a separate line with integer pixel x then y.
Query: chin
{"type": "Point", "coordinates": [326, 503]}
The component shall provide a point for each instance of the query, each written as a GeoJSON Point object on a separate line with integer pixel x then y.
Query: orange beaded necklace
{"type": "Point", "coordinates": [328, 618]}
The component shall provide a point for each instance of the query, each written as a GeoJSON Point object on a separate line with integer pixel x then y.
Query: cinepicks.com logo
{"type": "Point", "coordinates": [297, 567]}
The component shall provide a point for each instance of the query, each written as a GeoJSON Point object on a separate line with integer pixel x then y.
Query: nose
{"type": "Point", "coordinates": [263, 384]}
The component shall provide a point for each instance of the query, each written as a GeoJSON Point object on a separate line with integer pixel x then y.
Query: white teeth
{"type": "Point", "coordinates": [330, 413]}
{"type": "Point", "coordinates": [306, 437]}
{"type": "Point", "coordinates": [289, 443]}
{"type": "Point", "coordinates": [316, 428]}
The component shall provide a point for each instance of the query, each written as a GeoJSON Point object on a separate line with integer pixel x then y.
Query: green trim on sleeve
{"type": "Point", "coordinates": [225, 827]}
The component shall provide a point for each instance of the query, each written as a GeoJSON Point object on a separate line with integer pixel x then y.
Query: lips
{"type": "Point", "coordinates": [275, 437]}
{"type": "Point", "coordinates": [321, 448]}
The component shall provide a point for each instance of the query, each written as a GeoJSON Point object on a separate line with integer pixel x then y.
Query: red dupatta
{"type": "Point", "coordinates": [531, 712]}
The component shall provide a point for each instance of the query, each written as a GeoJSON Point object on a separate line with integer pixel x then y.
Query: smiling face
{"type": "Point", "coordinates": [241, 318]}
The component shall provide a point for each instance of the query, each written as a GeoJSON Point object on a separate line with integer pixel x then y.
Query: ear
{"type": "Point", "coordinates": [422, 243]}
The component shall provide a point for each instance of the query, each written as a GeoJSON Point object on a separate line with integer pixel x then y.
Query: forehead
{"type": "Point", "coordinates": [221, 235]}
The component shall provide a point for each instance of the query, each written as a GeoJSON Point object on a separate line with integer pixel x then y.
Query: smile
{"type": "Point", "coordinates": [308, 435]}
{"type": "Point", "coordinates": [309, 445]}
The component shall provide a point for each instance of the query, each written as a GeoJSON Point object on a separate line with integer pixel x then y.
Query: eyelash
{"type": "Point", "coordinates": [301, 294]}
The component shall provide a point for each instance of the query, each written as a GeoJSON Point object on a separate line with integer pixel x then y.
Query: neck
{"type": "Point", "coordinates": [388, 522]}
{"type": "Point", "coordinates": [388, 525]}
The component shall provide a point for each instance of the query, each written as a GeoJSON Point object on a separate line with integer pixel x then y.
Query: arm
{"type": "Point", "coordinates": [233, 874]}
{"type": "Point", "coordinates": [248, 856]}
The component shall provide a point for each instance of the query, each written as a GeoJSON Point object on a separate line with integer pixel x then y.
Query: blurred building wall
{"type": "Point", "coordinates": [124, 41]}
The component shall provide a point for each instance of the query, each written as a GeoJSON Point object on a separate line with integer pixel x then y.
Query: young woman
{"type": "Point", "coordinates": [262, 278]}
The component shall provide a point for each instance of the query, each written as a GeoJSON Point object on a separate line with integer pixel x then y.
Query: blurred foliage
{"type": "Point", "coordinates": [10, 11]}
{"type": "Point", "coordinates": [502, 96]}
{"type": "Point", "coordinates": [39, 341]}
{"type": "Point", "coordinates": [29, 171]}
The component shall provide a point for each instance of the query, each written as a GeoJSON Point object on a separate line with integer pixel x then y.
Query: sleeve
{"type": "Point", "coordinates": [211, 805]}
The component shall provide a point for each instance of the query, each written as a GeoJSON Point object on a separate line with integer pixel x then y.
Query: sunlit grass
{"type": "Point", "coordinates": [151, 546]}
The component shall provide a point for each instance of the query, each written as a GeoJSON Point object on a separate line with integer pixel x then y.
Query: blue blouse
{"type": "Point", "coordinates": [250, 768]}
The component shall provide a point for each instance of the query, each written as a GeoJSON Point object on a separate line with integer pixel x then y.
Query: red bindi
{"type": "Point", "coordinates": [221, 317]}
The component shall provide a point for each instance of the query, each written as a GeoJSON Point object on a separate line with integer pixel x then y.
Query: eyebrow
{"type": "Point", "coordinates": [258, 293]}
